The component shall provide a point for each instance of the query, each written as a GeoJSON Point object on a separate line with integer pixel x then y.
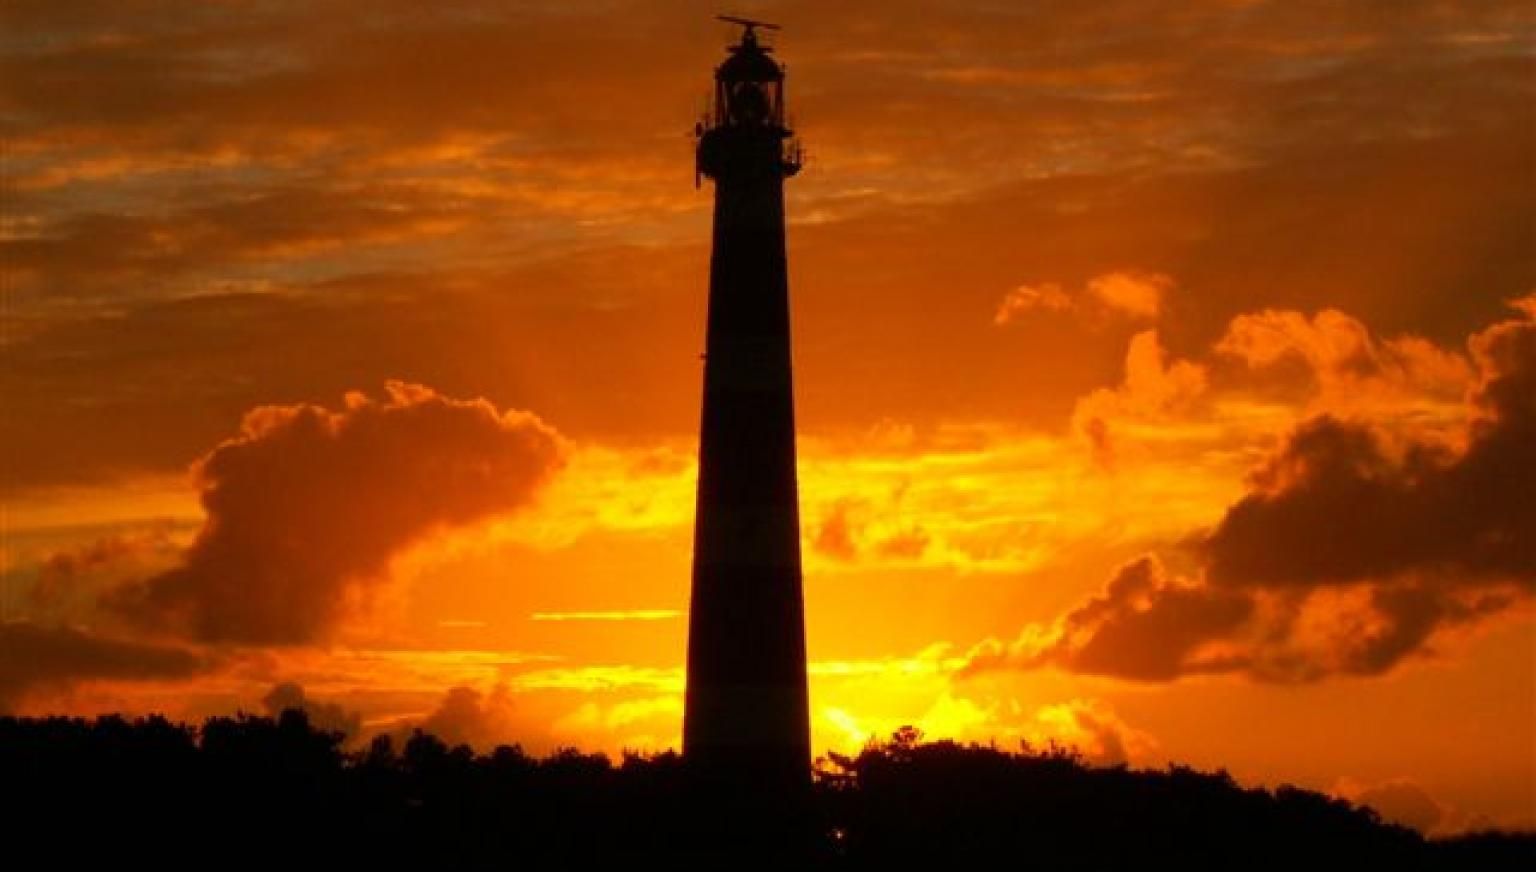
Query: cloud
{"type": "Point", "coordinates": [1150, 626]}
{"type": "Point", "coordinates": [39, 659]}
{"type": "Point", "coordinates": [332, 717]}
{"type": "Point", "coordinates": [171, 155]}
{"type": "Point", "coordinates": [1408, 802]}
{"type": "Point", "coordinates": [121, 407]}
{"type": "Point", "coordinates": [1401, 801]}
{"type": "Point", "coordinates": [834, 535]}
{"type": "Point", "coordinates": [1144, 626]}
{"type": "Point", "coordinates": [1349, 553]}
{"type": "Point", "coordinates": [307, 505]}
{"type": "Point", "coordinates": [69, 582]}
{"type": "Point", "coordinates": [1047, 297]}
{"type": "Point", "coordinates": [274, 225]}
{"type": "Point", "coordinates": [1343, 366]}
{"type": "Point", "coordinates": [646, 722]}
{"type": "Point", "coordinates": [1340, 503]}
{"type": "Point", "coordinates": [1128, 293]}
{"type": "Point", "coordinates": [1155, 389]}
{"type": "Point", "coordinates": [1136, 294]}
{"type": "Point", "coordinates": [853, 529]}
{"type": "Point", "coordinates": [468, 717]}
{"type": "Point", "coordinates": [1095, 730]}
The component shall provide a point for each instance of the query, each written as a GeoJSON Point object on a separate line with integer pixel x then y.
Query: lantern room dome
{"type": "Point", "coordinates": [749, 62]}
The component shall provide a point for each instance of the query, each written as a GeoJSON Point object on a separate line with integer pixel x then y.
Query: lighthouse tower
{"type": "Point", "coordinates": [746, 723]}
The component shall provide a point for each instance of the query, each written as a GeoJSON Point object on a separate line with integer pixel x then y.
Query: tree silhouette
{"type": "Point", "coordinates": [248, 791]}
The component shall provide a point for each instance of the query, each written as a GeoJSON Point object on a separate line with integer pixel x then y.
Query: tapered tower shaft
{"type": "Point", "coordinates": [747, 717]}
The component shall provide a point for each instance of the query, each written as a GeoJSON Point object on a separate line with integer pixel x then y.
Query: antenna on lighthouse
{"type": "Point", "coordinates": [747, 22]}
{"type": "Point", "coordinates": [749, 35]}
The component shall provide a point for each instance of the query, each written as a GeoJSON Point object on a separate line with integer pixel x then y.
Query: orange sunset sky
{"type": "Point", "coordinates": [1166, 374]}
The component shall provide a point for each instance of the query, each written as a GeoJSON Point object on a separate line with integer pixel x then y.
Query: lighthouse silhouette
{"type": "Point", "coordinates": [746, 726]}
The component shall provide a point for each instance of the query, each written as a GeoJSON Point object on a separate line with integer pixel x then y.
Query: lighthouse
{"type": "Point", "coordinates": [746, 724]}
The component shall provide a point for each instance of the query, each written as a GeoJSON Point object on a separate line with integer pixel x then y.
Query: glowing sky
{"type": "Point", "coordinates": [1166, 373]}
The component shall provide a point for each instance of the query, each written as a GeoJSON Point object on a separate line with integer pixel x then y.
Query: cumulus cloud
{"type": "Point", "coordinates": [1408, 802]}
{"type": "Point", "coordinates": [1339, 503]}
{"type": "Point", "coordinates": [1399, 800]}
{"type": "Point", "coordinates": [1128, 293]}
{"type": "Point", "coordinates": [1349, 553]}
{"type": "Point", "coordinates": [1144, 626]}
{"type": "Point", "coordinates": [307, 505]}
{"type": "Point", "coordinates": [1343, 366]}
{"type": "Point", "coordinates": [1137, 294]}
{"type": "Point", "coordinates": [67, 583]}
{"type": "Point", "coordinates": [1156, 388]}
{"type": "Point", "coordinates": [40, 659]}
{"type": "Point", "coordinates": [1152, 626]}
{"type": "Point", "coordinates": [329, 716]}
{"type": "Point", "coordinates": [1095, 730]}
{"type": "Point", "coordinates": [468, 717]}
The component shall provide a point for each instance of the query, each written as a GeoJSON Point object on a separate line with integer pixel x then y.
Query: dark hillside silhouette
{"type": "Point", "coordinates": [249, 792]}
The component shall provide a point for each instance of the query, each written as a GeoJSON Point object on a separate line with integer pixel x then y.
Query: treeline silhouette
{"type": "Point", "coordinates": [249, 791]}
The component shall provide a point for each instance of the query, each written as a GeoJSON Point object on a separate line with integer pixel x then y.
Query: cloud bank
{"type": "Point", "coordinates": [36, 658]}
{"type": "Point", "coordinates": [1353, 547]}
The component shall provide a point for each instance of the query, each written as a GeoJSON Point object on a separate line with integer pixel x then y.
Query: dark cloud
{"type": "Point", "coordinates": [1348, 555]}
{"type": "Point", "coordinates": [66, 584]}
{"type": "Point", "coordinates": [329, 716]}
{"type": "Point", "coordinates": [468, 717]}
{"type": "Point", "coordinates": [41, 659]}
{"type": "Point", "coordinates": [1144, 626]}
{"type": "Point", "coordinates": [1147, 81]}
{"type": "Point", "coordinates": [1405, 802]}
{"type": "Point", "coordinates": [306, 507]}
{"type": "Point", "coordinates": [227, 230]}
{"type": "Point", "coordinates": [1149, 626]}
{"type": "Point", "coordinates": [1338, 504]}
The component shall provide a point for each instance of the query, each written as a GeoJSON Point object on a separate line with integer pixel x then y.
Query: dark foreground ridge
{"type": "Point", "coordinates": [248, 792]}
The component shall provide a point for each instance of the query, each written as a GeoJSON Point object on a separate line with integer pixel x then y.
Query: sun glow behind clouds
{"type": "Point", "coordinates": [986, 498]}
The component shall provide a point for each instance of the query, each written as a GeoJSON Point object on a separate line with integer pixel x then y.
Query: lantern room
{"type": "Point", "coordinates": [749, 85]}
{"type": "Point", "coordinates": [743, 133]}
